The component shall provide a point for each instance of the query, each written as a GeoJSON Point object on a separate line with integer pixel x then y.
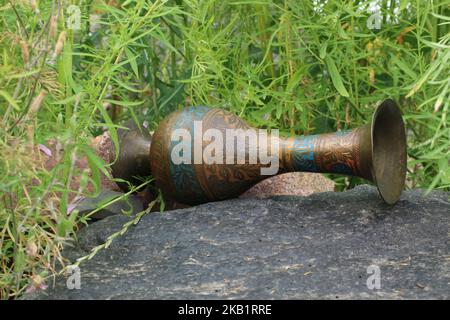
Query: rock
{"type": "Point", "coordinates": [130, 204]}
{"type": "Point", "coordinates": [292, 183]}
{"type": "Point", "coordinates": [102, 146]}
{"type": "Point", "coordinates": [285, 247]}
{"type": "Point", "coordinates": [48, 154]}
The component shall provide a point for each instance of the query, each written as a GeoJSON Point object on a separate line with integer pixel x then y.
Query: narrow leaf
{"type": "Point", "coordinates": [336, 77]}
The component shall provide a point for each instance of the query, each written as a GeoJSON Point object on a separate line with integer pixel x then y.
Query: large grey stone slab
{"type": "Point", "coordinates": [291, 247]}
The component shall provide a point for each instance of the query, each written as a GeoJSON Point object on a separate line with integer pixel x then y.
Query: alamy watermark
{"type": "Point", "coordinates": [74, 278]}
{"type": "Point", "coordinates": [257, 145]}
{"type": "Point", "coordinates": [73, 21]}
{"type": "Point", "coordinates": [374, 280]}
{"type": "Point", "coordinates": [375, 20]}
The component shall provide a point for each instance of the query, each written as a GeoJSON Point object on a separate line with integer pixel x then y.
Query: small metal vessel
{"type": "Point", "coordinates": [375, 152]}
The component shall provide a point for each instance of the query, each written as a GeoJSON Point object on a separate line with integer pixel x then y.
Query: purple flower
{"type": "Point", "coordinates": [73, 205]}
{"type": "Point", "coordinates": [45, 150]}
{"type": "Point", "coordinates": [31, 288]}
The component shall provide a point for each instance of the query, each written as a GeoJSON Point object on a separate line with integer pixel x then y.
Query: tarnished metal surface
{"type": "Point", "coordinates": [132, 163]}
{"type": "Point", "coordinates": [388, 151]}
{"type": "Point", "coordinates": [376, 152]}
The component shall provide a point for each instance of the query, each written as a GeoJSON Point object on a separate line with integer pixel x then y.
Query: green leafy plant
{"type": "Point", "coordinates": [304, 67]}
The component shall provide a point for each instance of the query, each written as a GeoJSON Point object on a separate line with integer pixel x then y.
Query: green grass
{"type": "Point", "coordinates": [303, 67]}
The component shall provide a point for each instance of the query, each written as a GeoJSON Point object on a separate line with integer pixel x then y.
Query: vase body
{"type": "Point", "coordinates": [197, 182]}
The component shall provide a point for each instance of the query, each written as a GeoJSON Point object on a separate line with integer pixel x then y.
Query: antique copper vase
{"type": "Point", "coordinates": [375, 152]}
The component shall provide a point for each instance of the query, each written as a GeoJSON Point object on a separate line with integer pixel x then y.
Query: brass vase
{"type": "Point", "coordinates": [375, 152]}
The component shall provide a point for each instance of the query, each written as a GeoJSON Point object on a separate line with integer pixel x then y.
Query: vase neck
{"type": "Point", "coordinates": [343, 152]}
